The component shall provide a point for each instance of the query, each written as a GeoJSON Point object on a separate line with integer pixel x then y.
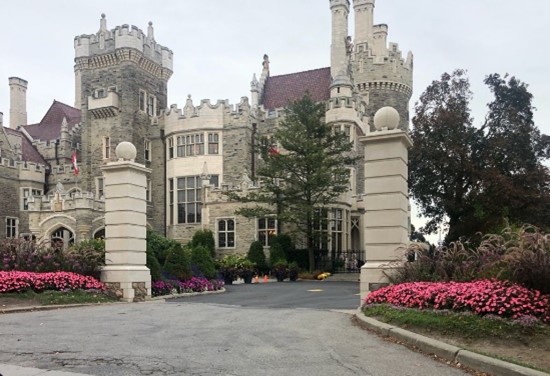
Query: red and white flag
{"type": "Point", "coordinates": [75, 165]}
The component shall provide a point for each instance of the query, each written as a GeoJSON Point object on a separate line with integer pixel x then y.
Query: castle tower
{"type": "Point", "coordinates": [121, 78]}
{"type": "Point", "coordinates": [18, 102]}
{"type": "Point", "coordinates": [338, 56]}
{"type": "Point", "coordinates": [380, 73]}
{"type": "Point", "coordinates": [364, 10]}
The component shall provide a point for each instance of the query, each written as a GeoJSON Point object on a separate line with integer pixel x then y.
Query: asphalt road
{"type": "Point", "coordinates": [301, 294]}
{"type": "Point", "coordinates": [272, 329]}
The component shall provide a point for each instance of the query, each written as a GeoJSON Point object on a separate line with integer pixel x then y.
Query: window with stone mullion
{"type": "Point", "coordinates": [267, 228]}
{"type": "Point", "coordinates": [226, 233]}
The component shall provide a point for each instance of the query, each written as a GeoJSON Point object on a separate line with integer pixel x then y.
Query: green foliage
{"type": "Point", "coordinates": [51, 297]}
{"type": "Point", "coordinates": [159, 245]}
{"type": "Point", "coordinates": [280, 269]}
{"type": "Point", "coordinates": [256, 255]}
{"type": "Point", "coordinates": [229, 266]}
{"type": "Point", "coordinates": [478, 178]}
{"type": "Point", "coordinates": [203, 261]}
{"type": "Point", "coordinates": [467, 326]}
{"type": "Point", "coordinates": [276, 254]}
{"type": "Point", "coordinates": [154, 266]}
{"type": "Point", "coordinates": [310, 169]}
{"type": "Point", "coordinates": [247, 269]}
{"type": "Point", "coordinates": [178, 263]}
{"type": "Point", "coordinates": [285, 241]}
{"type": "Point", "coordinates": [520, 255]}
{"type": "Point", "coordinates": [442, 161]}
{"type": "Point", "coordinates": [206, 239]}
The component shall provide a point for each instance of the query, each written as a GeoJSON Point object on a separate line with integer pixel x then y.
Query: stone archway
{"type": "Point", "coordinates": [62, 238]}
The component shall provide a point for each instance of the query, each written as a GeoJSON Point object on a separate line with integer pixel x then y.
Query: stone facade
{"type": "Point", "coordinates": [196, 152]}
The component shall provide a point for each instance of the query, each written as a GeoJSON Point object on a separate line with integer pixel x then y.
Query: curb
{"type": "Point", "coordinates": [49, 307]}
{"type": "Point", "coordinates": [443, 350]}
{"type": "Point", "coordinates": [64, 306]}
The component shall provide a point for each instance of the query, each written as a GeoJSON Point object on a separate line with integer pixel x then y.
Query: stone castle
{"type": "Point", "coordinates": [196, 152]}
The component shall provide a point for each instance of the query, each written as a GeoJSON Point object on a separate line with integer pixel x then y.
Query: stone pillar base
{"type": "Point", "coordinates": [128, 283]}
{"type": "Point", "coordinates": [373, 277]}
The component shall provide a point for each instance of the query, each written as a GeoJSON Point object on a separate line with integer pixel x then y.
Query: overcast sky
{"type": "Point", "coordinates": [219, 44]}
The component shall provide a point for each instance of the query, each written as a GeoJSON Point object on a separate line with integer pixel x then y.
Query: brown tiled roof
{"type": "Point", "coordinates": [30, 154]}
{"type": "Point", "coordinates": [49, 127]}
{"type": "Point", "coordinates": [279, 91]}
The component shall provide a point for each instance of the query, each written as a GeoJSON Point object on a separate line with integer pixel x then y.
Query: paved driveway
{"type": "Point", "coordinates": [248, 331]}
{"type": "Point", "coordinates": [302, 294]}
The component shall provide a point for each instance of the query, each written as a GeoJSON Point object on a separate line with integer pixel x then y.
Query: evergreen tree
{"type": "Point", "coordinates": [305, 167]}
{"type": "Point", "coordinates": [202, 260]}
{"type": "Point", "coordinates": [178, 263]}
{"type": "Point", "coordinates": [256, 255]}
{"type": "Point", "coordinates": [206, 239]}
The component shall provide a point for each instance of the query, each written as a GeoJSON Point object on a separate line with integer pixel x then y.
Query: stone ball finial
{"type": "Point", "coordinates": [102, 15]}
{"type": "Point", "coordinates": [150, 23]}
{"type": "Point", "coordinates": [386, 118]}
{"type": "Point", "coordinates": [126, 151]}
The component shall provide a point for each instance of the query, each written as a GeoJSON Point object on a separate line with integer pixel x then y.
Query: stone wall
{"type": "Point", "coordinates": [9, 199]}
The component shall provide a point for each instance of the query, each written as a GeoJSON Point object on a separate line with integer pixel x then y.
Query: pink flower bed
{"type": "Point", "coordinates": [482, 297]}
{"type": "Point", "coordinates": [14, 281]}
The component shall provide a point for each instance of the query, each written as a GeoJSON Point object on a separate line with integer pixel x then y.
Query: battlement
{"type": "Point", "coordinates": [204, 116]}
{"type": "Point", "coordinates": [69, 201]}
{"type": "Point", "coordinates": [123, 37]}
{"type": "Point", "coordinates": [28, 171]}
{"type": "Point", "coordinates": [383, 64]}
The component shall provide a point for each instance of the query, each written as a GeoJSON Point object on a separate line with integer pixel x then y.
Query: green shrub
{"type": "Point", "coordinates": [206, 239]}
{"type": "Point", "coordinates": [285, 242]}
{"type": "Point", "coordinates": [203, 262]}
{"type": "Point", "coordinates": [178, 263]}
{"type": "Point", "coordinates": [159, 245]}
{"type": "Point", "coordinates": [256, 255]}
{"type": "Point", "coordinates": [154, 266]}
{"type": "Point", "coordinates": [276, 254]}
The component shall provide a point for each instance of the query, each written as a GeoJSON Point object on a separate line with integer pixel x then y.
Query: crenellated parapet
{"type": "Point", "coordinates": [123, 43]}
{"type": "Point", "coordinates": [204, 116]}
{"type": "Point", "coordinates": [66, 202]}
{"type": "Point", "coordinates": [381, 75]}
{"type": "Point", "coordinates": [27, 171]}
{"type": "Point", "coordinates": [383, 65]}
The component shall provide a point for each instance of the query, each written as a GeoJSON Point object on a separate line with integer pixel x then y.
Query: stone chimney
{"type": "Point", "coordinates": [18, 102]}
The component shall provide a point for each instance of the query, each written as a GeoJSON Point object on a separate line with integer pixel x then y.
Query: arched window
{"type": "Point", "coordinates": [100, 234]}
{"type": "Point", "coordinates": [62, 238]}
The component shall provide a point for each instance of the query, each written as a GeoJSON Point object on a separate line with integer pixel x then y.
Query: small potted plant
{"type": "Point", "coordinates": [293, 271]}
{"type": "Point", "coordinates": [228, 268]}
{"type": "Point", "coordinates": [247, 270]}
{"type": "Point", "coordinates": [280, 270]}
